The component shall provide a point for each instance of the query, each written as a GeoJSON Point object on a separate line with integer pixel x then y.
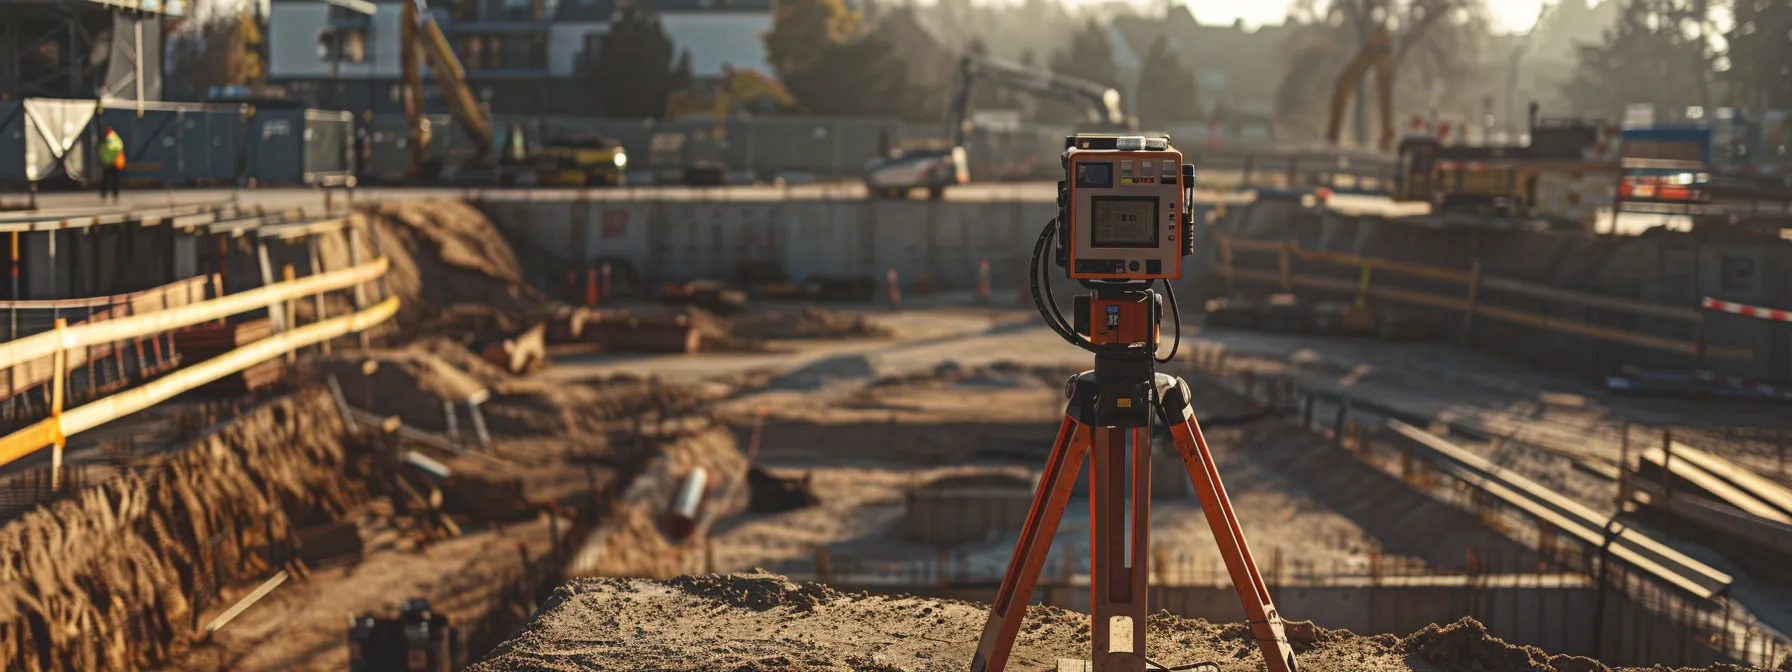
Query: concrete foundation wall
{"type": "Point", "coordinates": [1670, 268]}
{"type": "Point", "coordinates": [684, 240]}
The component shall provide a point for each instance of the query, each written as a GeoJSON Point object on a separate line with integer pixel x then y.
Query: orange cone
{"type": "Point", "coordinates": [895, 288]}
{"type": "Point", "coordinates": [590, 287]}
{"type": "Point", "coordinates": [983, 281]}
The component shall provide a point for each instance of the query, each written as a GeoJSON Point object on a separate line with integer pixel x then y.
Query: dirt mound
{"type": "Point", "coordinates": [758, 591]}
{"type": "Point", "coordinates": [634, 543]}
{"type": "Point", "coordinates": [762, 621]}
{"type": "Point", "coordinates": [112, 579]}
{"type": "Point", "coordinates": [446, 253]}
{"type": "Point", "coordinates": [810, 322]}
{"type": "Point", "coordinates": [1465, 644]}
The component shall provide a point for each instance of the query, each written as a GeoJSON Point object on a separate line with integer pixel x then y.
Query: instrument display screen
{"type": "Point", "coordinates": [1125, 221]}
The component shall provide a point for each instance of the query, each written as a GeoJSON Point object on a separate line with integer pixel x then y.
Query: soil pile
{"type": "Point", "coordinates": [111, 579]}
{"type": "Point", "coordinates": [446, 253]}
{"type": "Point", "coordinates": [634, 543]}
{"type": "Point", "coordinates": [761, 621]}
{"type": "Point", "coordinates": [810, 322]}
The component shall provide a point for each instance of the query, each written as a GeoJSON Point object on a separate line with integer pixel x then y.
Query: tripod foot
{"type": "Point", "coordinates": [1176, 407]}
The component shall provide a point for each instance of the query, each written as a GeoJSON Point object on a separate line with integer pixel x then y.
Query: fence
{"type": "Point", "coordinates": [1676, 331]}
{"type": "Point", "coordinates": [1643, 616]}
{"type": "Point", "coordinates": [174, 144]}
{"type": "Point", "coordinates": [58, 345]}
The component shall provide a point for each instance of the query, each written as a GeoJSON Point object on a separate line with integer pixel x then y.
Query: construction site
{"type": "Point", "coordinates": [533, 393]}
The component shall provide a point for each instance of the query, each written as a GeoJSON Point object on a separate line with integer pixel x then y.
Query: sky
{"type": "Point", "coordinates": [1508, 15]}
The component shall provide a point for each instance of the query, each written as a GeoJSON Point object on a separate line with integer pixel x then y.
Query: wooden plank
{"type": "Point", "coordinates": [156, 391]}
{"type": "Point", "coordinates": [1718, 487]}
{"type": "Point", "coordinates": [42, 345]}
{"type": "Point", "coordinates": [1714, 516]}
{"type": "Point", "coordinates": [1681, 570]}
{"type": "Point", "coordinates": [1405, 268]}
{"type": "Point", "coordinates": [1760, 487]}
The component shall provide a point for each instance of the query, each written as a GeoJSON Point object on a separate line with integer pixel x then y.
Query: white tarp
{"type": "Point", "coordinates": [56, 138]}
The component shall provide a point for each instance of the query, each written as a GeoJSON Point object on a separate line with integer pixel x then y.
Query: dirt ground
{"type": "Point", "coordinates": [764, 622]}
{"type": "Point", "coordinates": [864, 449]}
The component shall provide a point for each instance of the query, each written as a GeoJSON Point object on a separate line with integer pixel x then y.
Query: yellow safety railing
{"type": "Point", "coordinates": [58, 343]}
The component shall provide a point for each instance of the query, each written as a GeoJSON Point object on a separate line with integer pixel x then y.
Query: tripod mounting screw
{"type": "Point", "coordinates": [1070, 387]}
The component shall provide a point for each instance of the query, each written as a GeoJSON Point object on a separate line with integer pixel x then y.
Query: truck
{"type": "Point", "coordinates": [898, 172]}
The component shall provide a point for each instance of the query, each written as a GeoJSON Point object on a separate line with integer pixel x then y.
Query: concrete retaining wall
{"type": "Point", "coordinates": [1670, 268]}
{"type": "Point", "coordinates": [678, 240]}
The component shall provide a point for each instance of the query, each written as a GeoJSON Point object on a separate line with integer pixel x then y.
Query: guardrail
{"type": "Point", "coordinates": [1470, 302]}
{"type": "Point", "coordinates": [58, 344]}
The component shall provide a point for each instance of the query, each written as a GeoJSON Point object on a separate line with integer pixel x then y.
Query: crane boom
{"type": "Point", "coordinates": [422, 37]}
{"type": "Point", "coordinates": [1377, 54]}
{"type": "Point", "coordinates": [1101, 102]}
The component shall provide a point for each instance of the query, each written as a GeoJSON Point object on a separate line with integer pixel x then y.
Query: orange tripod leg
{"type": "Point", "coordinates": [1260, 611]}
{"type": "Point", "coordinates": [1010, 606]}
{"type": "Point", "coordinates": [1118, 573]}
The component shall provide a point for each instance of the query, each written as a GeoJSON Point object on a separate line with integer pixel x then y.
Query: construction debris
{"type": "Point", "coordinates": [771, 493]}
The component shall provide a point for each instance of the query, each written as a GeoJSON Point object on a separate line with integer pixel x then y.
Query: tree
{"type": "Point", "coordinates": [635, 73]}
{"type": "Point", "coordinates": [1760, 49]}
{"type": "Point", "coordinates": [834, 65]}
{"type": "Point", "coordinates": [804, 31]}
{"type": "Point", "coordinates": [1656, 55]}
{"type": "Point", "coordinates": [1166, 89]}
{"type": "Point", "coordinates": [1089, 57]}
{"type": "Point", "coordinates": [1436, 47]}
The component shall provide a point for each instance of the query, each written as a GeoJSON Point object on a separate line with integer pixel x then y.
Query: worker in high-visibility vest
{"type": "Point", "coordinates": [112, 162]}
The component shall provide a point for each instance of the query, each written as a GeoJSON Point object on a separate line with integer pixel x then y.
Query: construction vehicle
{"type": "Point", "coordinates": [1509, 180]}
{"type": "Point", "coordinates": [578, 163]}
{"type": "Point", "coordinates": [696, 158]}
{"type": "Point", "coordinates": [893, 175]}
{"type": "Point", "coordinates": [1377, 53]}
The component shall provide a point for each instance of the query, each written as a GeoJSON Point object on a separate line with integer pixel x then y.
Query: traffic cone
{"type": "Point", "coordinates": [590, 287]}
{"type": "Point", "coordinates": [983, 281]}
{"type": "Point", "coordinates": [895, 288]}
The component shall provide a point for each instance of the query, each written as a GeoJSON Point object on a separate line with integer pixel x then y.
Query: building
{"type": "Point", "coordinates": [520, 55]}
{"type": "Point", "coordinates": [83, 48]}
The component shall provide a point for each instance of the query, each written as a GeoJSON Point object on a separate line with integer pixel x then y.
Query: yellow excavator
{"type": "Point", "coordinates": [1377, 53]}
{"type": "Point", "coordinates": [582, 162]}
{"type": "Point", "coordinates": [696, 159]}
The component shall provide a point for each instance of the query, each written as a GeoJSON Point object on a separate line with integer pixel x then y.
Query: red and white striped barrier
{"type": "Point", "coordinates": [1747, 310]}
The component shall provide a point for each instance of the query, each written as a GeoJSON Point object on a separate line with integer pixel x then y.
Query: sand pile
{"type": "Point", "coordinates": [810, 322]}
{"type": "Point", "coordinates": [763, 621]}
{"type": "Point", "coordinates": [111, 579]}
{"type": "Point", "coordinates": [446, 253]}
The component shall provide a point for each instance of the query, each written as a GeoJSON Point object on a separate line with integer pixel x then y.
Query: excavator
{"type": "Point", "coordinates": [578, 163]}
{"type": "Point", "coordinates": [1378, 54]}
{"type": "Point", "coordinates": [895, 174]}
{"type": "Point", "coordinates": [700, 162]}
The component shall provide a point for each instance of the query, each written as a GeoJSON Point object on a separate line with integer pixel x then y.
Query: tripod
{"type": "Point", "coordinates": [1106, 405]}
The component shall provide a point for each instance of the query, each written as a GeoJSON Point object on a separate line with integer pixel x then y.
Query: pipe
{"type": "Point", "coordinates": [681, 522]}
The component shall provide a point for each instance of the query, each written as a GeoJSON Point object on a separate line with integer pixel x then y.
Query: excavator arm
{"type": "Point", "coordinates": [1377, 54]}
{"type": "Point", "coordinates": [1102, 103]}
{"type": "Point", "coordinates": [421, 39]}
